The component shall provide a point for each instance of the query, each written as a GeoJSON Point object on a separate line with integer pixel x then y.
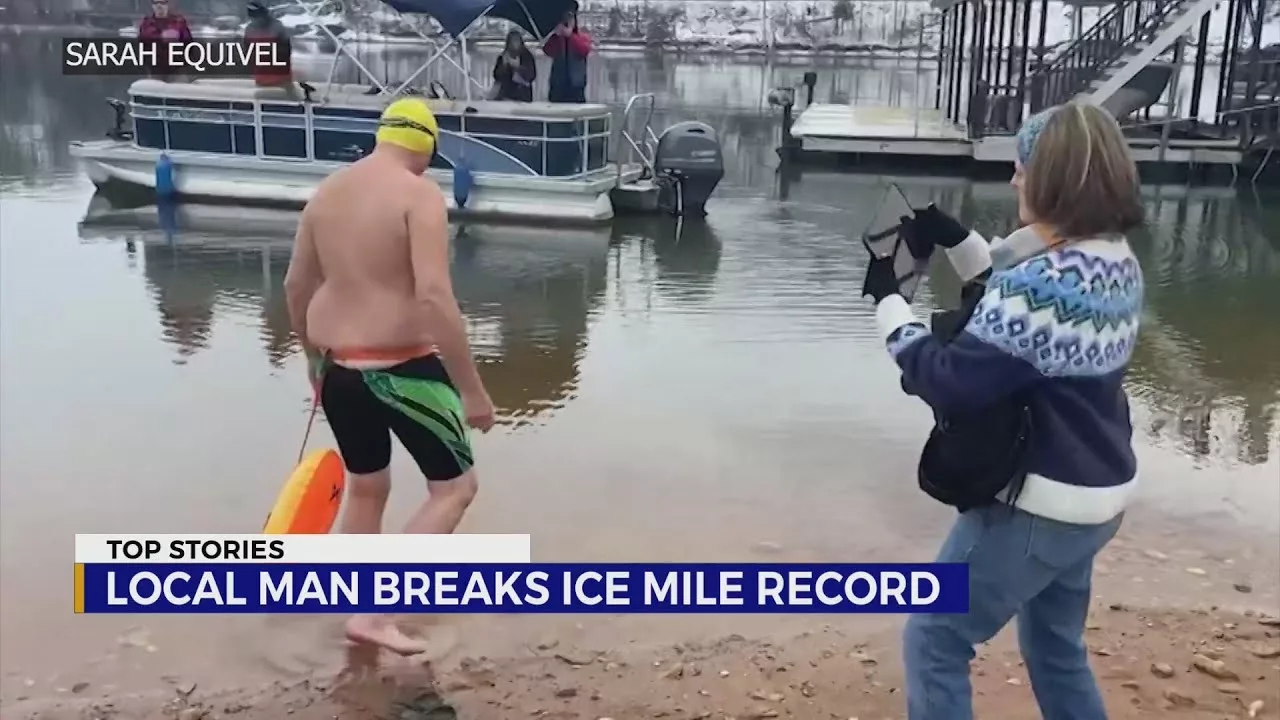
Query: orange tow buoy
{"type": "Point", "coordinates": [308, 503]}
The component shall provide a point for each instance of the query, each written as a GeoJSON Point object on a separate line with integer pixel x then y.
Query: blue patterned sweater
{"type": "Point", "coordinates": [1058, 327]}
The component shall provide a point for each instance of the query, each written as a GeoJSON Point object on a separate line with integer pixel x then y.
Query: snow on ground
{"type": "Point", "coordinates": [819, 24]}
{"type": "Point", "coordinates": [883, 27]}
{"type": "Point", "coordinates": [300, 19]}
{"type": "Point", "coordinates": [832, 25]}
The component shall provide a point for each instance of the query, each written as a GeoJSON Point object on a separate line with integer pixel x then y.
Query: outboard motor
{"type": "Point", "coordinates": [689, 165]}
{"type": "Point", "coordinates": [119, 111]}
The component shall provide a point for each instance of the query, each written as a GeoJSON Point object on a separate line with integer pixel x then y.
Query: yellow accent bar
{"type": "Point", "coordinates": [78, 591]}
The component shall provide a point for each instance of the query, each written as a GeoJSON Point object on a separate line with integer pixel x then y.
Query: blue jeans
{"type": "Point", "coordinates": [1023, 566]}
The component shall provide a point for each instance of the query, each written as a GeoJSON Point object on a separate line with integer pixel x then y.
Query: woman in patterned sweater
{"type": "Point", "coordinates": [1054, 328]}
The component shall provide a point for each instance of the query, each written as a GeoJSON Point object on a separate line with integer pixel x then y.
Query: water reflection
{"type": "Point", "coordinates": [528, 294]}
{"type": "Point", "coordinates": [1207, 369]}
{"type": "Point", "coordinates": [41, 110]}
{"type": "Point", "coordinates": [1210, 355]}
{"type": "Point", "coordinates": [685, 253]}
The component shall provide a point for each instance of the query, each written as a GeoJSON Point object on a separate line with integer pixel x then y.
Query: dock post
{"type": "Point", "coordinates": [788, 142]}
{"type": "Point", "coordinates": [784, 182]}
{"type": "Point", "coordinates": [810, 80]}
{"type": "Point", "coordinates": [785, 98]}
{"type": "Point", "coordinates": [915, 91]}
{"type": "Point", "coordinates": [266, 273]}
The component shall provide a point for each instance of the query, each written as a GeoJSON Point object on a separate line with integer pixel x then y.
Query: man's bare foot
{"type": "Point", "coordinates": [441, 640]}
{"type": "Point", "coordinates": [381, 630]}
{"type": "Point", "coordinates": [361, 669]}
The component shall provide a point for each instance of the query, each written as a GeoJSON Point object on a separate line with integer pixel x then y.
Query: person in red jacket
{"type": "Point", "coordinates": [163, 24]}
{"type": "Point", "coordinates": [264, 26]}
{"type": "Point", "coordinates": [568, 48]}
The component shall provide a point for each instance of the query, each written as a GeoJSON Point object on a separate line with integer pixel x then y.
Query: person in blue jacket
{"type": "Point", "coordinates": [1054, 327]}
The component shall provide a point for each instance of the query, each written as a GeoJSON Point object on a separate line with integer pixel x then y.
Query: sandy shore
{"type": "Point", "coordinates": [1178, 633]}
{"type": "Point", "coordinates": [1194, 664]}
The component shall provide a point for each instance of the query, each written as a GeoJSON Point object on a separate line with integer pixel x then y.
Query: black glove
{"type": "Point", "coordinates": [881, 280]}
{"type": "Point", "coordinates": [939, 227]}
{"type": "Point", "coordinates": [921, 246]}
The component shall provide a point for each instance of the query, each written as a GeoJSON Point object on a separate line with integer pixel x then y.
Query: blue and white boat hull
{"type": "Point", "coordinates": [255, 180]}
{"type": "Point", "coordinates": [229, 139]}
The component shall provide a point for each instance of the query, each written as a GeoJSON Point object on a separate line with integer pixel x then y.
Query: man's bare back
{"type": "Point", "coordinates": [369, 293]}
{"type": "Point", "coordinates": [358, 221]}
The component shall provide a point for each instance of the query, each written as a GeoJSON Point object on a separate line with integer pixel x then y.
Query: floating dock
{"type": "Point", "coordinates": [902, 133]}
{"type": "Point", "coordinates": [991, 67]}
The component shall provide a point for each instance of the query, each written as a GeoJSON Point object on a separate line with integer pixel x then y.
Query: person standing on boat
{"type": "Point", "coordinates": [568, 48]}
{"type": "Point", "coordinates": [369, 294]}
{"type": "Point", "coordinates": [515, 71]}
{"type": "Point", "coordinates": [263, 26]}
{"type": "Point", "coordinates": [163, 24]}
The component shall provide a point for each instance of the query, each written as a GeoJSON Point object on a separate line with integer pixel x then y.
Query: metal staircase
{"type": "Point", "coordinates": [1175, 23]}
{"type": "Point", "coordinates": [1249, 80]}
{"type": "Point", "coordinates": [1111, 53]}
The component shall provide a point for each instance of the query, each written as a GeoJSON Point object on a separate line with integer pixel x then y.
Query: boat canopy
{"type": "Point", "coordinates": [538, 17]}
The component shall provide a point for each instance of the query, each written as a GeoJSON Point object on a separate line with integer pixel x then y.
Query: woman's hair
{"type": "Point", "coordinates": [1078, 176]}
{"type": "Point", "coordinates": [517, 36]}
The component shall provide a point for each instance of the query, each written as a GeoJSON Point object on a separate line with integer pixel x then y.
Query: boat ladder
{"type": "Point", "coordinates": [639, 150]}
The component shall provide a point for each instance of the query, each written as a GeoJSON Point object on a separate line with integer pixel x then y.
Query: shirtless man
{"type": "Point", "coordinates": [369, 292]}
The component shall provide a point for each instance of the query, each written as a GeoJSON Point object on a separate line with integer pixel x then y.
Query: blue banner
{"type": "Point", "coordinates": [522, 588]}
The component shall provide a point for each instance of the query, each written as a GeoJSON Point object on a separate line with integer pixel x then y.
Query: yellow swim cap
{"type": "Point", "coordinates": [410, 124]}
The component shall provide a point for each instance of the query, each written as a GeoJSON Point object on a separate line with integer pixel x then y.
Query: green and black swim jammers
{"type": "Point", "coordinates": [415, 399]}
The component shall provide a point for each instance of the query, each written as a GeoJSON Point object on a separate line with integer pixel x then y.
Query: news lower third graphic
{"type": "Point", "coordinates": [190, 58]}
{"type": "Point", "coordinates": [168, 574]}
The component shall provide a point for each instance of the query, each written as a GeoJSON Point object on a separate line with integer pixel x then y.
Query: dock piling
{"type": "Point", "coordinates": [810, 80]}
{"type": "Point", "coordinates": [785, 98]}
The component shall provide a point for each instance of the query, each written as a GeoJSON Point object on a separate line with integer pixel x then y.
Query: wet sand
{"type": "Point", "coordinates": [1152, 606]}
{"type": "Point", "coordinates": [1199, 664]}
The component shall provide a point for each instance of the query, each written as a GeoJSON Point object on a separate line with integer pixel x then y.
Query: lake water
{"type": "Point", "coordinates": [712, 391]}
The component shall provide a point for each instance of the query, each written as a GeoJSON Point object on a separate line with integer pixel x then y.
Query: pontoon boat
{"type": "Point", "coordinates": [230, 140]}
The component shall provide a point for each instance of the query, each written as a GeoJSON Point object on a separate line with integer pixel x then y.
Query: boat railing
{"type": "Point", "coordinates": [238, 123]}
{"type": "Point", "coordinates": [641, 150]}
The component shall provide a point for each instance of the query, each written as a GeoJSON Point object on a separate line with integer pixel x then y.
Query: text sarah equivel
{"type": "Point", "coordinates": [126, 56]}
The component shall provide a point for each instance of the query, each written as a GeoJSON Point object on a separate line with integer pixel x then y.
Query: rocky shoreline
{"type": "Point", "coordinates": [1198, 664]}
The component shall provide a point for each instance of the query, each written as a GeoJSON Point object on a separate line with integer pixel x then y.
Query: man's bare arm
{"type": "Point", "coordinates": [428, 220]}
{"type": "Point", "coordinates": [303, 278]}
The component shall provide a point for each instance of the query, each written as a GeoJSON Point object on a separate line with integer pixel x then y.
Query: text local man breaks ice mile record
{"type": "Point", "coordinates": [682, 588]}
{"type": "Point", "coordinates": [504, 589]}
